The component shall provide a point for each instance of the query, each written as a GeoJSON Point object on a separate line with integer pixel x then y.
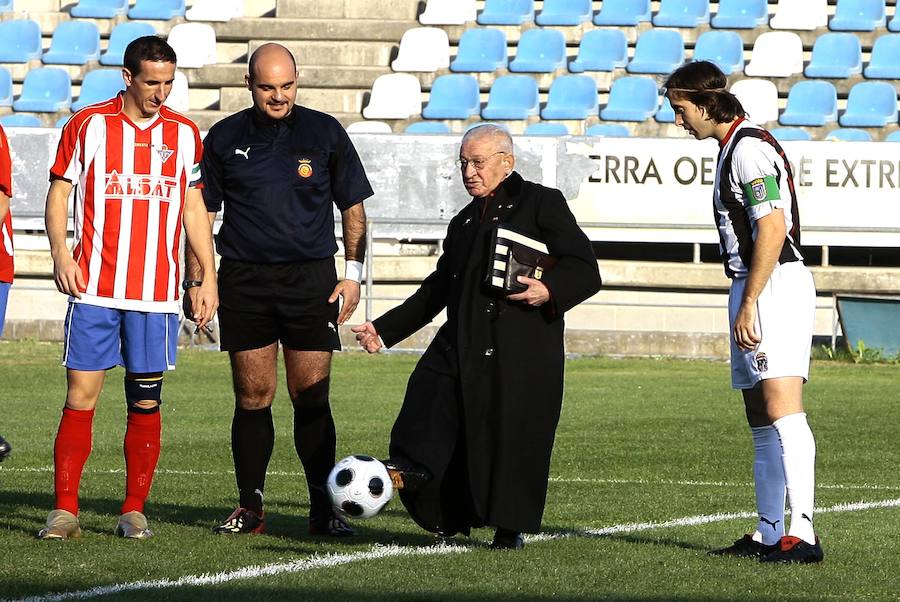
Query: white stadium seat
{"type": "Point", "coordinates": [369, 127]}
{"type": "Point", "coordinates": [178, 99]}
{"type": "Point", "coordinates": [423, 49]}
{"type": "Point", "coordinates": [759, 98]}
{"type": "Point", "coordinates": [215, 10]}
{"type": "Point", "coordinates": [394, 96]}
{"type": "Point", "coordinates": [194, 44]}
{"type": "Point", "coordinates": [448, 12]}
{"type": "Point", "coordinates": [800, 14]}
{"type": "Point", "coordinates": [776, 54]}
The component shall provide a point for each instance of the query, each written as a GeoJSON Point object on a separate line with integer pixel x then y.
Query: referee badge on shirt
{"type": "Point", "coordinates": [304, 169]}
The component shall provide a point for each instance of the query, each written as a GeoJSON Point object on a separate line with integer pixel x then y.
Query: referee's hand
{"type": "Point", "coordinates": [348, 291]}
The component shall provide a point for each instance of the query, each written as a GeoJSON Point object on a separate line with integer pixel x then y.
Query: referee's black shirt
{"type": "Point", "coordinates": [278, 180]}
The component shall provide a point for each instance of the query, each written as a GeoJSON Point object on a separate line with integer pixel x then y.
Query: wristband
{"type": "Point", "coordinates": [186, 284]}
{"type": "Point", "coordinates": [353, 270]}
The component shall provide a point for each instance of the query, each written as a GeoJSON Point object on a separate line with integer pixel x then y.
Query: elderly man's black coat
{"type": "Point", "coordinates": [482, 405]}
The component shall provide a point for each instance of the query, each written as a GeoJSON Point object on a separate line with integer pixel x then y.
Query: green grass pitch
{"type": "Point", "coordinates": [642, 445]}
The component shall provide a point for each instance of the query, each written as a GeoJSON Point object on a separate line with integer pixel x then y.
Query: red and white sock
{"type": "Point", "coordinates": [142, 447]}
{"type": "Point", "coordinates": [70, 453]}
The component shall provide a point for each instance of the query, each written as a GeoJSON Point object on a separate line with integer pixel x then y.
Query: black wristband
{"type": "Point", "coordinates": [186, 284]}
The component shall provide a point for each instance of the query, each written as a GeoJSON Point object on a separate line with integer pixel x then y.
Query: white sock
{"type": "Point", "coordinates": [799, 457]}
{"type": "Point", "coordinates": [768, 478]}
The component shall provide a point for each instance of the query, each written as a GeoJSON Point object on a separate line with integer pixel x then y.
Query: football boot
{"type": "Point", "coordinates": [61, 524]}
{"type": "Point", "coordinates": [329, 525]}
{"type": "Point", "coordinates": [794, 549]}
{"type": "Point", "coordinates": [746, 547]}
{"type": "Point", "coordinates": [242, 521]}
{"type": "Point", "coordinates": [133, 525]}
{"type": "Point", "coordinates": [5, 448]}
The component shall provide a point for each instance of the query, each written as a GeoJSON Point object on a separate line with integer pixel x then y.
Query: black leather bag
{"type": "Point", "coordinates": [515, 254]}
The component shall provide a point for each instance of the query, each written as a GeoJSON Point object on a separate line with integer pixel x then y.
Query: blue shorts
{"type": "Point", "coordinates": [4, 295]}
{"type": "Point", "coordinates": [99, 338]}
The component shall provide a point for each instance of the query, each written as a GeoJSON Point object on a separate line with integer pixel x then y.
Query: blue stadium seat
{"type": "Point", "coordinates": [6, 6]}
{"type": "Point", "coordinates": [893, 137]}
{"type": "Point", "coordinates": [870, 104]}
{"type": "Point", "coordinates": [62, 121]}
{"type": "Point", "coordinates": [99, 85]}
{"type": "Point", "coordinates": [546, 129]}
{"type": "Point", "coordinates": [884, 62]}
{"type": "Point", "coordinates": [657, 51]}
{"type": "Point", "coordinates": [601, 50]}
{"type": "Point", "coordinates": [857, 15]}
{"type": "Point", "coordinates": [894, 25]}
{"type": "Point", "coordinates": [810, 102]}
{"type": "Point", "coordinates": [512, 97]}
{"type": "Point", "coordinates": [99, 9]}
{"type": "Point", "coordinates": [724, 48]}
{"type": "Point", "coordinates": [849, 135]}
{"type": "Point", "coordinates": [73, 43]}
{"type": "Point", "coordinates": [836, 55]}
{"type": "Point", "coordinates": [682, 13]}
{"type": "Point", "coordinates": [427, 127]}
{"type": "Point", "coordinates": [122, 35]}
{"type": "Point", "coordinates": [45, 90]}
{"type": "Point", "coordinates": [161, 10]}
{"type": "Point", "coordinates": [631, 99]}
{"type": "Point", "coordinates": [21, 120]}
{"type": "Point", "coordinates": [6, 88]}
{"type": "Point", "coordinates": [608, 130]}
{"type": "Point", "coordinates": [564, 12]}
{"type": "Point", "coordinates": [788, 134]}
{"type": "Point", "coordinates": [507, 12]}
{"type": "Point", "coordinates": [539, 51]}
{"type": "Point", "coordinates": [480, 50]}
{"type": "Point", "coordinates": [665, 114]}
{"type": "Point", "coordinates": [741, 14]}
{"type": "Point", "coordinates": [623, 12]}
{"type": "Point", "coordinates": [20, 41]}
{"type": "Point", "coordinates": [453, 96]}
{"type": "Point", "coordinates": [571, 97]}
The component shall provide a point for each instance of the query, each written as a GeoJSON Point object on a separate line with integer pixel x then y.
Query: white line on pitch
{"type": "Point", "coordinates": [378, 551]}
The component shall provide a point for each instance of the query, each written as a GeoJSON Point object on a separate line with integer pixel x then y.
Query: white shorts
{"type": "Point", "coordinates": [785, 316]}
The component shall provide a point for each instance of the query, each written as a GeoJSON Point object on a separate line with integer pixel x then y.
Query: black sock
{"type": "Point", "coordinates": [252, 440]}
{"type": "Point", "coordinates": [315, 441]}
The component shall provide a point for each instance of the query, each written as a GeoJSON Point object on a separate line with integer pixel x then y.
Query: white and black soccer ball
{"type": "Point", "coordinates": [359, 486]}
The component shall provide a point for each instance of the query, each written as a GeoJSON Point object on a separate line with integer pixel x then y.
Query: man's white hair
{"type": "Point", "coordinates": [488, 130]}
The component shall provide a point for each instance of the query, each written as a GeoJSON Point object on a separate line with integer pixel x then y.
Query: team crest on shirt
{"type": "Point", "coordinates": [304, 168]}
{"type": "Point", "coordinates": [762, 362]}
{"type": "Point", "coordinates": [164, 152]}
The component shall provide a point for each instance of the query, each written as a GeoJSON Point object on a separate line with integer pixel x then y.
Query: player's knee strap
{"type": "Point", "coordinates": [143, 389]}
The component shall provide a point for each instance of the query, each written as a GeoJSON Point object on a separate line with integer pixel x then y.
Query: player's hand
{"type": "Point", "coordinates": [201, 302]}
{"type": "Point", "coordinates": [68, 276]}
{"type": "Point", "coordinates": [535, 295]}
{"type": "Point", "coordinates": [744, 332]}
{"type": "Point", "coordinates": [368, 337]}
{"type": "Point", "coordinates": [348, 290]}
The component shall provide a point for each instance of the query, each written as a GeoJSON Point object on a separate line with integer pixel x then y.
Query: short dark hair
{"type": "Point", "coordinates": [704, 84]}
{"type": "Point", "coordinates": [147, 48]}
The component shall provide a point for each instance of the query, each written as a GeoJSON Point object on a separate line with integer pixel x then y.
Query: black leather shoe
{"type": "Point", "coordinates": [504, 539]}
{"type": "Point", "coordinates": [405, 475]}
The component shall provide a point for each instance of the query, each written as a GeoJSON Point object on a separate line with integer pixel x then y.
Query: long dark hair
{"type": "Point", "coordinates": [703, 84]}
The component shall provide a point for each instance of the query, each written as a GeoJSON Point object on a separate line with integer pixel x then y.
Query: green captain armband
{"type": "Point", "coordinates": [762, 190]}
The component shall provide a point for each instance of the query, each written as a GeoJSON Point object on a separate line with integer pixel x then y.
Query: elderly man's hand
{"type": "Point", "coordinates": [368, 337]}
{"type": "Point", "coordinates": [535, 295]}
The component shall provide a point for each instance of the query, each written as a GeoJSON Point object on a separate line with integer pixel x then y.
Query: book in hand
{"type": "Point", "coordinates": [513, 255]}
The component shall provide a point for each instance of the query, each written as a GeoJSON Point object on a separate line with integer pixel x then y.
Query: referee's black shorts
{"type": "Point", "coordinates": [260, 303]}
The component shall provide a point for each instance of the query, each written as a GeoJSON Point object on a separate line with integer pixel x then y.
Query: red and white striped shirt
{"type": "Point", "coordinates": [130, 181]}
{"type": "Point", "coordinates": [6, 240]}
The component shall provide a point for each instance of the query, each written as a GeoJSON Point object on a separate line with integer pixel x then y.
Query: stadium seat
{"type": "Point", "coordinates": [810, 102]}
{"type": "Point", "coordinates": [6, 88]}
{"type": "Point", "coordinates": [21, 120]}
{"type": "Point", "coordinates": [894, 24]}
{"type": "Point", "coordinates": [623, 12]}
{"type": "Point", "coordinates": [20, 41]}
{"type": "Point", "coordinates": [884, 62]}
{"type": "Point", "coordinates": [835, 55]}
{"type": "Point", "coordinates": [423, 49]}
{"type": "Point", "coordinates": [776, 54]}
{"type": "Point", "coordinates": [427, 127]}
{"type": "Point", "coordinates": [759, 98]}
{"type": "Point", "coordinates": [539, 51]}
{"type": "Point", "coordinates": [369, 126]}
{"type": "Point", "coordinates": [608, 130]}
{"type": "Point", "coordinates": [631, 98]}
{"type": "Point", "coordinates": [512, 97]}
{"type": "Point", "coordinates": [893, 136]}
{"type": "Point", "coordinates": [99, 9]}
{"type": "Point", "coordinates": [161, 10]}
{"type": "Point", "coordinates": [870, 104]}
{"type": "Point", "coordinates": [665, 114]}
{"type": "Point", "coordinates": [45, 90]}
{"type": "Point", "coordinates": [194, 44]}
{"type": "Point", "coordinates": [394, 96]}
{"type": "Point", "coordinates": [601, 50]}
{"type": "Point", "coordinates": [657, 51]}
{"type": "Point", "coordinates": [546, 129]}
{"type": "Point", "coordinates": [215, 10]}
{"type": "Point", "coordinates": [682, 13]}
{"type": "Point", "coordinates": [564, 12]}
{"type": "Point", "coordinates": [480, 50]}
{"type": "Point", "coordinates": [122, 35]}
{"type": "Point", "coordinates": [62, 121]}
{"type": "Point", "coordinates": [73, 43]}
{"type": "Point", "coordinates": [6, 6]}
{"type": "Point", "coordinates": [179, 97]}
{"type": "Point", "coordinates": [724, 48]}
{"type": "Point", "coordinates": [741, 14]}
{"type": "Point", "coordinates": [99, 85]}
{"type": "Point", "coordinates": [800, 14]}
{"type": "Point", "coordinates": [453, 96]}
{"type": "Point", "coordinates": [507, 12]}
{"type": "Point", "coordinates": [849, 135]}
{"type": "Point", "coordinates": [790, 134]}
{"type": "Point", "coordinates": [571, 97]}
{"type": "Point", "coordinates": [448, 12]}
{"type": "Point", "coordinates": [858, 15]}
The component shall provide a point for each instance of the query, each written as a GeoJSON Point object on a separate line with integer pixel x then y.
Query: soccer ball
{"type": "Point", "coordinates": [359, 486]}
